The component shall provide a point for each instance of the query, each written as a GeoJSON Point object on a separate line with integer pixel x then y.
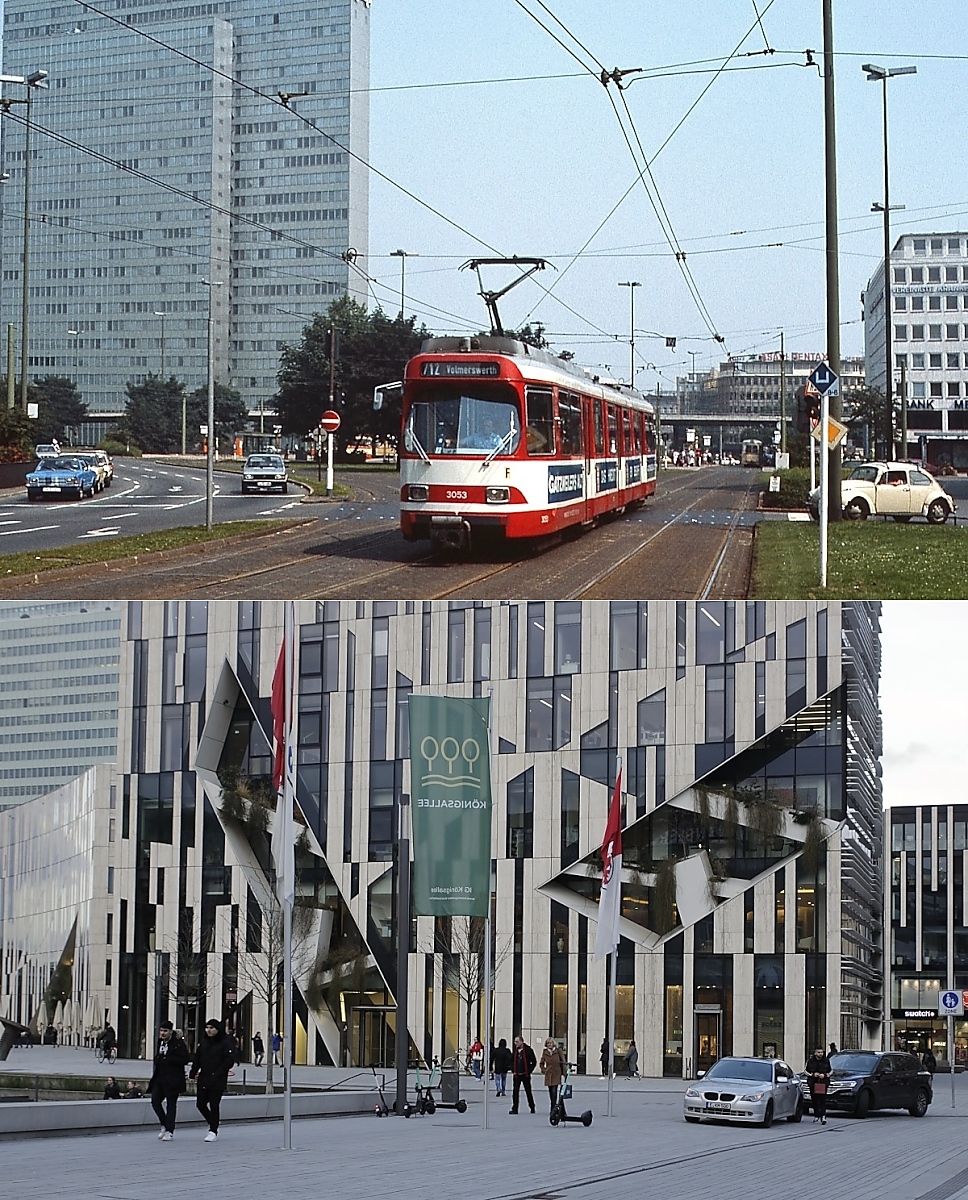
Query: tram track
{"type": "Point", "coordinates": [314, 561]}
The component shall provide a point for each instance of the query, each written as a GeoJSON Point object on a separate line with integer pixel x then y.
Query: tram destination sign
{"type": "Point", "coordinates": [459, 370]}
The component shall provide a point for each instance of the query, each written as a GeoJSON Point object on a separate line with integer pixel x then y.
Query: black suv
{"type": "Point", "coordinates": [863, 1080]}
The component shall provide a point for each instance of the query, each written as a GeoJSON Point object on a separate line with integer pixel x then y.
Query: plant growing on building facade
{"type": "Point", "coordinates": [663, 906]}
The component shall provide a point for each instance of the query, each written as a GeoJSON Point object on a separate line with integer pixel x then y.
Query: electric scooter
{"type": "Point", "coordinates": [559, 1114]}
{"type": "Point", "coordinates": [382, 1109]}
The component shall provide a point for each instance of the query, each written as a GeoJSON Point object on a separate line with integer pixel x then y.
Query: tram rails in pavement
{"type": "Point", "coordinates": [503, 441]}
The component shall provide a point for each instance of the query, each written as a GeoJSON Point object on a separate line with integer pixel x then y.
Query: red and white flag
{"type": "Point", "coordinates": [284, 759]}
{"type": "Point", "coordinates": [610, 903]}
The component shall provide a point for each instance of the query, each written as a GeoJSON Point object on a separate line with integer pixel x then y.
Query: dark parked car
{"type": "Point", "coordinates": [864, 1080]}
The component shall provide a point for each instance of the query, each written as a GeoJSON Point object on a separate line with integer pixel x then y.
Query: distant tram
{"type": "Point", "coordinates": [751, 454]}
{"type": "Point", "coordinates": [504, 440]}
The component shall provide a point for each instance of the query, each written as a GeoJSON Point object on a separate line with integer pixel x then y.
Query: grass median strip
{"type": "Point", "coordinates": [29, 562]}
{"type": "Point", "coordinates": [872, 560]}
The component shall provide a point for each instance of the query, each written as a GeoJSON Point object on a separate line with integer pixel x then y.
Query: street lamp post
{"type": "Point", "coordinates": [162, 373]}
{"type": "Point", "coordinates": [74, 334]}
{"type": "Point", "coordinates": [34, 80]}
{"type": "Point", "coordinates": [403, 255]}
{"type": "Point", "coordinates": [210, 439]}
{"type": "Point", "coordinates": [631, 285]}
{"type": "Point", "coordinates": [876, 74]}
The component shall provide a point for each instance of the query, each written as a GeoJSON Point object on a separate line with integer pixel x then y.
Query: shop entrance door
{"type": "Point", "coordinates": [373, 1036]}
{"type": "Point", "coordinates": [709, 1027]}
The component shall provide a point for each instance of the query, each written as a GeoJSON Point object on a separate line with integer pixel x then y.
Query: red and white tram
{"type": "Point", "coordinates": [500, 438]}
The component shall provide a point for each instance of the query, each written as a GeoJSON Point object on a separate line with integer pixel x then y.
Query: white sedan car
{"type": "Point", "coordinates": [893, 489]}
{"type": "Point", "coordinates": [754, 1091]}
{"type": "Point", "coordinates": [265, 473]}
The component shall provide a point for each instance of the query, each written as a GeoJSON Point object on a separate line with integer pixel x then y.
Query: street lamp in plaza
{"type": "Point", "coordinates": [210, 437]}
{"type": "Point", "coordinates": [37, 79]}
{"type": "Point", "coordinates": [631, 285]}
{"type": "Point", "coordinates": [403, 255]}
{"type": "Point", "coordinates": [876, 74]}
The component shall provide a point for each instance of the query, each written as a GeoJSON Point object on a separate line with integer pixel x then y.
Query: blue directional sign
{"type": "Point", "coordinates": [824, 380]}
{"type": "Point", "coordinates": [950, 1004]}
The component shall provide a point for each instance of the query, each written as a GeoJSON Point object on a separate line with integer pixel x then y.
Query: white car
{"type": "Point", "coordinates": [754, 1091]}
{"type": "Point", "coordinates": [892, 489]}
{"type": "Point", "coordinates": [265, 473]}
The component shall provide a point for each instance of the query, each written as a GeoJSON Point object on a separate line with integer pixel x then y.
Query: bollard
{"type": "Point", "coordinates": [244, 1092]}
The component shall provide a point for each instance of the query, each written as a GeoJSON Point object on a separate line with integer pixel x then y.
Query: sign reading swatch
{"type": "Point", "coordinates": [450, 785]}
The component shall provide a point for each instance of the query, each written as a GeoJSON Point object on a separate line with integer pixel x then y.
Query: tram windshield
{"type": "Point", "coordinates": [465, 424]}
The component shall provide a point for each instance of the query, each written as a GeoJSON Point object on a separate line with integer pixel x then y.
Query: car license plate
{"type": "Point", "coordinates": [51, 489]}
{"type": "Point", "coordinates": [718, 1105]}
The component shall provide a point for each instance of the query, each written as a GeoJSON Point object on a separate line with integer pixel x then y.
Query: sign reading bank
{"type": "Point", "coordinates": [450, 786]}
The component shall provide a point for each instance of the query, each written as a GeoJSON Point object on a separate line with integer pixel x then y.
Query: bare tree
{"type": "Point", "coordinates": [462, 942]}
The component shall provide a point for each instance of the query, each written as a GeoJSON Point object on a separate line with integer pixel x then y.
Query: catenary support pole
{"type": "Point", "coordinates": [403, 952]}
{"type": "Point", "coordinates": [832, 247]}
{"type": "Point", "coordinates": [613, 964]}
{"type": "Point", "coordinates": [824, 486]}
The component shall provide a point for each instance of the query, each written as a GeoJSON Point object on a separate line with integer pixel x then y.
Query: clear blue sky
{"type": "Point", "coordinates": [533, 167]}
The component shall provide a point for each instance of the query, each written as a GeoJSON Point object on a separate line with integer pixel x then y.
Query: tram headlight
{"type": "Point", "coordinates": [417, 491]}
{"type": "Point", "coordinates": [497, 495]}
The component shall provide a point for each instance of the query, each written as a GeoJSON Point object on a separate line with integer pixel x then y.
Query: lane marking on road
{"type": "Point", "coordinates": [29, 529]}
{"type": "Point", "coordinates": [9, 522]}
{"type": "Point", "coordinates": [176, 487]}
{"type": "Point", "coordinates": [93, 533]}
{"type": "Point", "coordinates": [118, 516]}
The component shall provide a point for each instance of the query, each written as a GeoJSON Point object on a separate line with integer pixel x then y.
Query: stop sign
{"type": "Point", "coordinates": [330, 421]}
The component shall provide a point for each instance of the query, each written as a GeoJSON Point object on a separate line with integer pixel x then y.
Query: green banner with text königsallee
{"type": "Point", "coordinates": [450, 788]}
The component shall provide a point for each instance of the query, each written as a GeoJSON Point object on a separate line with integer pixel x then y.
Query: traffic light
{"type": "Point", "coordinates": [808, 411]}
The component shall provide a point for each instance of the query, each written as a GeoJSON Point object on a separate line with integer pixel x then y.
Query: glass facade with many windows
{"type": "Point", "coordinates": [746, 736]}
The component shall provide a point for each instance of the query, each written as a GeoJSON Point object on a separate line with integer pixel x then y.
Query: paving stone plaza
{"type": "Point", "coordinates": [645, 1150]}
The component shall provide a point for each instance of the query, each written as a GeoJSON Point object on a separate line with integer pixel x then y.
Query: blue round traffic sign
{"type": "Point", "coordinates": [950, 999]}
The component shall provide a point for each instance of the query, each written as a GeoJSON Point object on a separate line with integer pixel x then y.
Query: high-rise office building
{"type": "Point", "coordinates": [157, 170]}
{"type": "Point", "coordinates": [59, 687]}
{"type": "Point", "coordinates": [749, 735]}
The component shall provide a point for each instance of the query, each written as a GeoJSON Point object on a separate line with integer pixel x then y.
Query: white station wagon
{"type": "Point", "coordinates": [892, 489]}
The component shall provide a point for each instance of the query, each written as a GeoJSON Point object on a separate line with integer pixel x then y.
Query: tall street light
{"type": "Point", "coordinates": [74, 334]}
{"type": "Point", "coordinates": [403, 255]}
{"type": "Point", "coordinates": [210, 439]}
{"type": "Point", "coordinates": [162, 373]}
{"type": "Point", "coordinates": [35, 80]}
{"type": "Point", "coordinates": [631, 285]}
{"type": "Point", "coordinates": [881, 75]}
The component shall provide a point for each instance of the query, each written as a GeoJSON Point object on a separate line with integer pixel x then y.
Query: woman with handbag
{"type": "Point", "coordinates": [818, 1073]}
{"type": "Point", "coordinates": [553, 1065]}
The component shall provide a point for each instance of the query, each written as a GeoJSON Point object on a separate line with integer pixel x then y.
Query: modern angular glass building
{"type": "Point", "coordinates": [748, 736]}
{"type": "Point", "coordinates": [928, 902]}
{"type": "Point", "coordinates": [156, 165]}
{"type": "Point", "coordinates": [60, 670]}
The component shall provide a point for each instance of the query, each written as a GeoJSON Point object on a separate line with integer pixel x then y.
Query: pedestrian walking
{"type": "Point", "coordinates": [476, 1056]}
{"type": "Point", "coordinates": [214, 1059]}
{"type": "Point", "coordinates": [258, 1050]}
{"type": "Point", "coordinates": [167, 1080]}
{"type": "Point", "coordinates": [818, 1072]}
{"type": "Point", "coordinates": [632, 1060]}
{"type": "Point", "coordinates": [276, 1048]}
{"type": "Point", "coordinates": [605, 1057]}
{"type": "Point", "coordinates": [500, 1065]}
{"type": "Point", "coordinates": [833, 1049]}
{"type": "Point", "coordinates": [929, 1062]}
{"type": "Point", "coordinates": [553, 1065]}
{"type": "Point", "coordinates": [523, 1063]}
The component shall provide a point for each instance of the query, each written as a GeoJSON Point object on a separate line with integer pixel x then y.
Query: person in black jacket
{"type": "Point", "coordinates": [523, 1063]}
{"type": "Point", "coordinates": [167, 1080]}
{"type": "Point", "coordinates": [111, 1089]}
{"type": "Point", "coordinates": [500, 1064]}
{"type": "Point", "coordinates": [818, 1073]}
{"type": "Point", "coordinates": [214, 1059]}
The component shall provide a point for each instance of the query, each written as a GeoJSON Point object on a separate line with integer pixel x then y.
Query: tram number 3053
{"type": "Point", "coordinates": [455, 494]}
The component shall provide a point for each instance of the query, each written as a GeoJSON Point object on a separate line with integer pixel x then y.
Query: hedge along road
{"type": "Point", "coordinates": [691, 540]}
{"type": "Point", "coordinates": [145, 497]}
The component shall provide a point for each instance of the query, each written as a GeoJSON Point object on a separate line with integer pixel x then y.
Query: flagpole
{"type": "Point", "coordinates": [611, 983]}
{"type": "Point", "coordinates": [287, 882]}
{"type": "Point", "coordinates": [488, 1031]}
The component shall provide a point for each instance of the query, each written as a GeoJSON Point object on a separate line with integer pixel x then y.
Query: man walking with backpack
{"type": "Point", "coordinates": [523, 1062]}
